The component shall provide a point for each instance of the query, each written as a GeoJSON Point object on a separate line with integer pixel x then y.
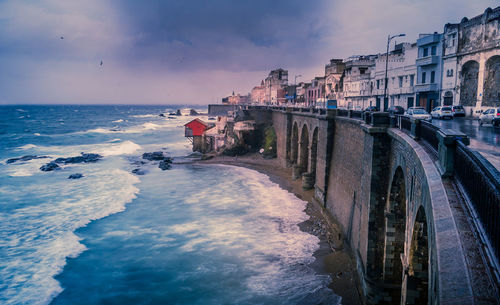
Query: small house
{"type": "Point", "coordinates": [194, 130]}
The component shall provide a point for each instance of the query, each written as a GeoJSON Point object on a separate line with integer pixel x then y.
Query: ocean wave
{"type": "Point", "coordinates": [118, 121]}
{"type": "Point", "coordinates": [47, 230]}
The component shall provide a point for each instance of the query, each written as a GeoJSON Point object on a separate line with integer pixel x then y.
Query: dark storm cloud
{"type": "Point", "coordinates": [223, 34]}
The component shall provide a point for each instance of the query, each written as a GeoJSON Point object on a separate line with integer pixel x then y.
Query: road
{"type": "Point", "coordinates": [485, 139]}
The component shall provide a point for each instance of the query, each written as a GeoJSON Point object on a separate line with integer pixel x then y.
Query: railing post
{"type": "Point", "coordinates": [379, 119]}
{"type": "Point", "coordinates": [446, 152]}
{"type": "Point", "coordinates": [349, 113]}
{"type": "Point", "coordinates": [330, 113]}
{"type": "Point", "coordinates": [415, 128]}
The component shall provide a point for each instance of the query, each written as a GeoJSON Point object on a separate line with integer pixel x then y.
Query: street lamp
{"type": "Point", "coordinates": [295, 81]}
{"type": "Point", "coordinates": [389, 38]}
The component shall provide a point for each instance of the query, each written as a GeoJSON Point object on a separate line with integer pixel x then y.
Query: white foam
{"type": "Point", "coordinates": [46, 230]}
{"type": "Point", "coordinates": [36, 134]}
{"type": "Point", "coordinates": [118, 121]}
{"type": "Point", "coordinates": [27, 146]}
{"type": "Point", "coordinates": [144, 115]}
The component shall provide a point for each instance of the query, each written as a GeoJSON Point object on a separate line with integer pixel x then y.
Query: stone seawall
{"type": "Point", "coordinates": [385, 192]}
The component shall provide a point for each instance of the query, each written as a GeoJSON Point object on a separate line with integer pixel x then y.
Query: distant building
{"type": "Point", "coordinates": [315, 91]}
{"type": "Point", "coordinates": [258, 94]}
{"type": "Point", "coordinates": [236, 99]}
{"type": "Point", "coordinates": [333, 79]}
{"type": "Point", "coordinates": [428, 64]}
{"type": "Point", "coordinates": [274, 87]}
{"type": "Point", "coordinates": [471, 62]}
{"type": "Point", "coordinates": [357, 85]}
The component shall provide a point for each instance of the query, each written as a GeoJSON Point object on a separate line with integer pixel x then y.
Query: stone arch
{"type": "Point", "coordinates": [314, 152]}
{"type": "Point", "coordinates": [304, 148]}
{"type": "Point", "coordinates": [468, 83]}
{"type": "Point", "coordinates": [416, 286]}
{"type": "Point", "coordinates": [491, 88]}
{"type": "Point", "coordinates": [294, 144]}
{"type": "Point", "coordinates": [395, 230]}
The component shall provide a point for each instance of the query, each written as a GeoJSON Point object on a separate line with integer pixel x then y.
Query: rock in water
{"type": "Point", "coordinates": [165, 164]}
{"type": "Point", "coordinates": [153, 156]}
{"type": "Point", "coordinates": [161, 114]}
{"type": "Point", "coordinates": [84, 158]}
{"type": "Point", "coordinates": [49, 167]}
{"type": "Point", "coordinates": [178, 112]}
{"type": "Point", "coordinates": [138, 171]}
{"type": "Point", "coordinates": [193, 112]}
{"type": "Point", "coordinates": [25, 158]}
{"type": "Point", "coordinates": [75, 176]}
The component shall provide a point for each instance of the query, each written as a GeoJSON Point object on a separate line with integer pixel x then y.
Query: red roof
{"type": "Point", "coordinates": [197, 126]}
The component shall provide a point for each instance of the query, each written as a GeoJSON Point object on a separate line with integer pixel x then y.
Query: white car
{"type": "Point", "coordinates": [490, 116]}
{"type": "Point", "coordinates": [442, 112]}
{"type": "Point", "coordinates": [418, 113]}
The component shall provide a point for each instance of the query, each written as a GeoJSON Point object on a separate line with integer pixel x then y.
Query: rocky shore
{"type": "Point", "coordinates": [333, 257]}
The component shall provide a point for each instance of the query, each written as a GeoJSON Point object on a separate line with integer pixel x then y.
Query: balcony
{"type": "Point", "coordinates": [428, 39]}
{"type": "Point", "coordinates": [426, 87]}
{"type": "Point", "coordinates": [428, 60]}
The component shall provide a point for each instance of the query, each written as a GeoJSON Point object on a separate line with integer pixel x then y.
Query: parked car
{"type": "Point", "coordinates": [418, 113]}
{"type": "Point", "coordinates": [371, 108]}
{"type": "Point", "coordinates": [458, 111]}
{"type": "Point", "coordinates": [442, 112]}
{"type": "Point", "coordinates": [396, 110]}
{"type": "Point", "coordinates": [490, 116]}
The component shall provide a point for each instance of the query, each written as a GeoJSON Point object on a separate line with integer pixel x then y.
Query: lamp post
{"type": "Point", "coordinates": [295, 86]}
{"type": "Point", "coordinates": [295, 81]}
{"type": "Point", "coordinates": [389, 38]}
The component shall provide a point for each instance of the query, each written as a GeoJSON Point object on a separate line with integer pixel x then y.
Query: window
{"type": "Point", "coordinates": [378, 83]}
{"type": "Point", "coordinates": [426, 52]}
{"type": "Point", "coordinates": [423, 77]}
{"type": "Point", "coordinates": [433, 75]}
{"type": "Point", "coordinates": [433, 50]}
{"type": "Point", "coordinates": [400, 81]}
{"type": "Point", "coordinates": [412, 80]}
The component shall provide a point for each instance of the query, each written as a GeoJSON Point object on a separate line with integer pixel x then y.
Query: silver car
{"type": "Point", "coordinates": [442, 112]}
{"type": "Point", "coordinates": [418, 113]}
{"type": "Point", "coordinates": [490, 116]}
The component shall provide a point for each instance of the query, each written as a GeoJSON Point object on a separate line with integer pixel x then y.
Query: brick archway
{"type": "Point", "coordinates": [304, 149]}
{"type": "Point", "coordinates": [294, 144]}
{"type": "Point", "coordinates": [416, 281]}
{"type": "Point", "coordinates": [395, 230]}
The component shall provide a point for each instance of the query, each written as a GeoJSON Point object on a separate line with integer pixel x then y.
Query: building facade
{"type": "Point", "coordinates": [333, 79]}
{"type": "Point", "coordinates": [471, 62]}
{"type": "Point", "coordinates": [274, 87]}
{"type": "Point", "coordinates": [428, 86]}
{"type": "Point", "coordinates": [401, 72]}
{"type": "Point", "coordinates": [357, 82]}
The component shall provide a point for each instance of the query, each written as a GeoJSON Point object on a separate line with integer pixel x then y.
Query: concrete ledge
{"type": "Point", "coordinates": [453, 282]}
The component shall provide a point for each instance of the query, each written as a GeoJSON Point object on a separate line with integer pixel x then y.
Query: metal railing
{"type": "Point", "coordinates": [357, 114]}
{"type": "Point", "coordinates": [404, 123]}
{"type": "Point", "coordinates": [481, 182]}
{"type": "Point", "coordinates": [428, 133]}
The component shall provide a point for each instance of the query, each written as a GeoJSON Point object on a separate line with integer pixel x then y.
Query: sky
{"type": "Point", "coordinates": [192, 51]}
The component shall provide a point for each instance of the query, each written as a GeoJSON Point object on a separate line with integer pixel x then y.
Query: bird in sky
{"type": "Point", "coordinates": [101, 62]}
{"type": "Point", "coordinates": [62, 37]}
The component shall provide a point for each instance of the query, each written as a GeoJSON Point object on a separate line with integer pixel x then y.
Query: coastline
{"type": "Point", "coordinates": [332, 257]}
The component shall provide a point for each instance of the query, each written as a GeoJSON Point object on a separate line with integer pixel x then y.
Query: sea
{"type": "Point", "coordinates": [193, 234]}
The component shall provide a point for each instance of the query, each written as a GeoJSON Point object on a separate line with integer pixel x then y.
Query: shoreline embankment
{"type": "Point", "coordinates": [333, 256]}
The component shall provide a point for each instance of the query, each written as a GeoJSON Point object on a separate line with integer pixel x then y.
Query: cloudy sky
{"type": "Point", "coordinates": [192, 51]}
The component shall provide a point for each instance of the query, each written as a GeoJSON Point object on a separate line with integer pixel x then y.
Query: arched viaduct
{"type": "Point", "coordinates": [388, 196]}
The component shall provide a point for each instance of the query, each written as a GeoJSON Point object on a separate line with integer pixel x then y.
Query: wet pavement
{"type": "Point", "coordinates": [485, 139]}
